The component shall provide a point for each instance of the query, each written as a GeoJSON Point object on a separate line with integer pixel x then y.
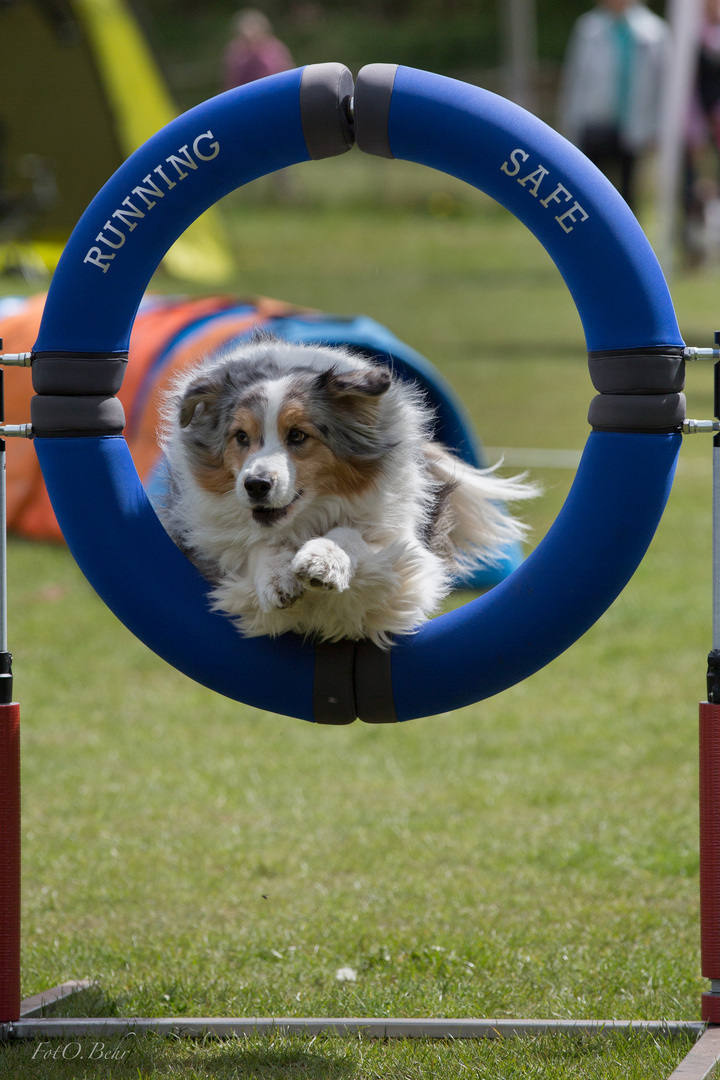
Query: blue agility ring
{"type": "Point", "coordinates": [623, 481]}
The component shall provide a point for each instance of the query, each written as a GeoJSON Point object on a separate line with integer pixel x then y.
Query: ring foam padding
{"type": "Point", "coordinates": [623, 480]}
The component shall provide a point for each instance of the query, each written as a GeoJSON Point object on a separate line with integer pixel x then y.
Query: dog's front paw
{"type": "Point", "coordinates": [322, 564]}
{"type": "Point", "coordinates": [280, 590]}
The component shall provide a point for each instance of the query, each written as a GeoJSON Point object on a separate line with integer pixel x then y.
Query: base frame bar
{"type": "Point", "coordinates": [702, 1060]}
{"type": "Point", "coordinates": [50, 999]}
{"type": "Point", "coordinates": [370, 1027]}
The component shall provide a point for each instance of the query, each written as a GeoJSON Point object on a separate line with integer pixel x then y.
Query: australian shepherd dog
{"type": "Point", "coordinates": [304, 483]}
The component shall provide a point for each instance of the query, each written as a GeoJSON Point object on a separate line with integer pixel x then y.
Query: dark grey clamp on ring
{"type": "Point", "coordinates": [75, 394]}
{"type": "Point", "coordinates": [326, 94]}
{"type": "Point", "coordinates": [373, 91]}
{"type": "Point", "coordinates": [74, 415]}
{"type": "Point", "coordinates": [640, 390]}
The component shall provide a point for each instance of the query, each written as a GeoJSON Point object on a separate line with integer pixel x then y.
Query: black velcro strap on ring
{"type": "Point", "coordinates": [651, 370]}
{"type": "Point", "coordinates": [353, 679]}
{"type": "Point", "coordinates": [333, 683]}
{"type": "Point", "coordinates": [63, 416]}
{"type": "Point", "coordinates": [95, 374]}
{"type": "Point", "coordinates": [652, 413]}
{"type": "Point", "coordinates": [373, 684]}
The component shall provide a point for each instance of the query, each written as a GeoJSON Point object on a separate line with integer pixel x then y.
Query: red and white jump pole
{"type": "Point", "coordinates": [9, 788]}
{"type": "Point", "coordinates": [9, 862]}
{"type": "Point", "coordinates": [710, 854]}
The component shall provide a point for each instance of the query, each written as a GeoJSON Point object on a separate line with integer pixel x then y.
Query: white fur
{"type": "Point", "coordinates": [334, 567]}
{"type": "Point", "coordinates": [272, 459]}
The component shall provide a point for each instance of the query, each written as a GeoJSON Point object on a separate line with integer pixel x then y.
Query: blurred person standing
{"type": "Point", "coordinates": [254, 51]}
{"type": "Point", "coordinates": [611, 88]}
{"type": "Point", "coordinates": [708, 68]}
{"type": "Point", "coordinates": [701, 226]}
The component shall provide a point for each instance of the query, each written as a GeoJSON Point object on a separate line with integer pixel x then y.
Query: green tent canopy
{"type": "Point", "coordinates": [80, 92]}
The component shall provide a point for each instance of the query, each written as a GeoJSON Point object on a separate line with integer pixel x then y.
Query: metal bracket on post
{"type": "Point", "coordinates": [691, 353]}
{"type": "Point", "coordinates": [12, 431]}
{"type": "Point", "coordinates": [17, 359]}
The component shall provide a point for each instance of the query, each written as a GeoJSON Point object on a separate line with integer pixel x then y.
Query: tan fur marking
{"type": "Point", "coordinates": [218, 476]}
{"type": "Point", "coordinates": [246, 420]}
{"type": "Point", "coordinates": [214, 478]}
{"type": "Point", "coordinates": [349, 477]}
{"type": "Point", "coordinates": [318, 469]}
{"type": "Point", "coordinates": [210, 471]}
{"type": "Point", "coordinates": [293, 414]}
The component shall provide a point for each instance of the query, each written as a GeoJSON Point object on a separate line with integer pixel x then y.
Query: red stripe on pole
{"type": "Point", "coordinates": [9, 863]}
{"type": "Point", "coordinates": [710, 839]}
{"type": "Point", "coordinates": [710, 1010]}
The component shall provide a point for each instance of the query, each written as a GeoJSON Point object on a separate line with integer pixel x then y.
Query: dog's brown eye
{"type": "Point", "coordinates": [242, 438]}
{"type": "Point", "coordinates": [296, 436]}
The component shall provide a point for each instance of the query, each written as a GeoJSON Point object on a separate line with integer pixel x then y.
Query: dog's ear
{"type": "Point", "coordinates": [195, 401]}
{"type": "Point", "coordinates": [359, 384]}
{"type": "Point", "coordinates": [354, 424]}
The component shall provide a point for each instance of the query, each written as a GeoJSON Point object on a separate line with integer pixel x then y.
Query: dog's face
{"type": "Point", "coordinates": [279, 439]}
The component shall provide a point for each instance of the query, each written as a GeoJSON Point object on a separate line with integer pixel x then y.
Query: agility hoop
{"type": "Point", "coordinates": [636, 363]}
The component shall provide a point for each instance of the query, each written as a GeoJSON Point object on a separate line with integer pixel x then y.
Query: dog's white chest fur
{"type": "Point", "coordinates": [305, 484]}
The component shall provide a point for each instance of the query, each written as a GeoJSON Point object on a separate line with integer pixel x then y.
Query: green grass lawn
{"type": "Point", "coordinates": [534, 855]}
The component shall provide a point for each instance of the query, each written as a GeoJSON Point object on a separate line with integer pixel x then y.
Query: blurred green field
{"type": "Point", "coordinates": [534, 855]}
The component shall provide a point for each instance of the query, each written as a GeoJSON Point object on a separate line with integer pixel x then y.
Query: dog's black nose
{"type": "Point", "coordinates": [257, 487]}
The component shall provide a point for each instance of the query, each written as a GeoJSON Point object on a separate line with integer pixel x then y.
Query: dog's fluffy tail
{"type": "Point", "coordinates": [482, 526]}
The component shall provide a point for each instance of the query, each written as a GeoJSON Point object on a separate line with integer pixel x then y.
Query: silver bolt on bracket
{"type": "Point", "coordinates": [18, 359]}
{"type": "Point", "coordinates": [698, 427]}
{"type": "Point", "coordinates": [16, 431]}
{"type": "Point", "coordinates": [691, 353]}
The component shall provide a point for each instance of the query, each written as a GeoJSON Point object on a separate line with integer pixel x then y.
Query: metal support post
{"type": "Point", "coordinates": [710, 764]}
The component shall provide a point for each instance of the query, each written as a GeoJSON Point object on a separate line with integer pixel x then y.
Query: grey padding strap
{"type": "Point", "coordinates": [62, 416]}
{"type": "Point", "coordinates": [373, 684]}
{"type": "Point", "coordinates": [333, 689]}
{"type": "Point", "coordinates": [373, 91]}
{"type": "Point", "coordinates": [637, 412]}
{"type": "Point", "coordinates": [68, 373]}
{"type": "Point", "coordinates": [326, 92]}
{"type": "Point", "coordinates": [651, 370]}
